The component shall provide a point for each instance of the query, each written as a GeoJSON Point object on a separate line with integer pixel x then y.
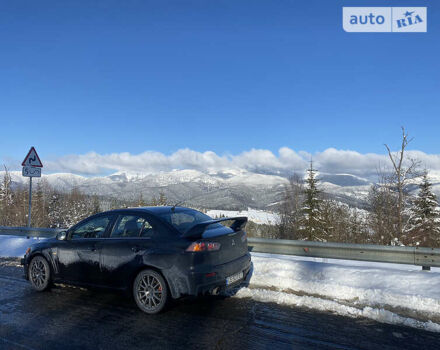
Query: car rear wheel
{"type": "Point", "coordinates": [150, 291]}
{"type": "Point", "coordinates": [39, 273]}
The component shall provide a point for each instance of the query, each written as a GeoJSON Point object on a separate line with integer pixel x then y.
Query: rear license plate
{"type": "Point", "coordinates": [234, 278]}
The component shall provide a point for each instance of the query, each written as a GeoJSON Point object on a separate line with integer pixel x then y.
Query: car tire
{"type": "Point", "coordinates": [150, 291]}
{"type": "Point", "coordinates": [39, 274]}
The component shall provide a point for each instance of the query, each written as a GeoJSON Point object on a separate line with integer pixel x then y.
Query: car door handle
{"type": "Point", "coordinates": [135, 249]}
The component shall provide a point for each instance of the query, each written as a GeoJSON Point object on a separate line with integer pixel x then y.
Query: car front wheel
{"type": "Point", "coordinates": [150, 291]}
{"type": "Point", "coordinates": [39, 273]}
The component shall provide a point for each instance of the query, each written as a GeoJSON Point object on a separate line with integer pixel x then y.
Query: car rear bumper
{"type": "Point", "coordinates": [215, 279]}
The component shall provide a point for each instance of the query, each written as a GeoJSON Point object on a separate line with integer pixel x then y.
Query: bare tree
{"type": "Point", "coordinates": [404, 169]}
{"type": "Point", "coordinates": [291, 208]}
{"type": "Point", "coordinates": [40, 204]}
{"type": "Point", "coordinates": [5, 199]}
{"type": "Point", "coordinates": [96, 205]}
{"type": "Point", "coordinates": [162, 199]}
{"type": "Point", "coordinates": [140, 201]}
{"type": "Point", "coordinates": [383, 217]}
{"type": "Point", "coordinates": [343, 223]}
{"type": "Point", "coordinates": [358, 228]}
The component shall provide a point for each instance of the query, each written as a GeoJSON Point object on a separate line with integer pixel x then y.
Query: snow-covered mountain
{"type": "Point", "coordinates": [233, 189]}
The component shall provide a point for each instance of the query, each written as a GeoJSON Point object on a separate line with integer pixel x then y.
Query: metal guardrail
{"type": "Point", "coordinates": [419, 256]}
{"type": "Point", "coordinates": [30, 231]}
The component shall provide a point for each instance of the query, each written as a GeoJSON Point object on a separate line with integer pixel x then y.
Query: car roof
{"type": "Point", "coordinates": [151, 210]}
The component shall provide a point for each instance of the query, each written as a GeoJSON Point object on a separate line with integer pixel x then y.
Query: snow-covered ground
{"type": "Point", "coordinates": [257, 216]}
{"type": "Point", "coordinates": [389, 293]}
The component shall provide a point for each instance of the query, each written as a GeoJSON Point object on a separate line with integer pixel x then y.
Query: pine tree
{"type": "Point", "coordinates": [312, 221]}
{"type": "Point", "coordinates": [424, 223]}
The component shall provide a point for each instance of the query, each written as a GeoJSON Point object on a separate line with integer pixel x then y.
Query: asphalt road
{"type": "Point", "coordinates": [74, 318]}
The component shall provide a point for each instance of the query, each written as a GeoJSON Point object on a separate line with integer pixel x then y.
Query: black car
{"type": "Point", "coordinates": [154, 252]}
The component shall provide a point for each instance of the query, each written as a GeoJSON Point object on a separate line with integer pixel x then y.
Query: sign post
{"type": "Point", "coordinates": [31, 168]}
{"type": "Point", "coordinates": [30, 202]}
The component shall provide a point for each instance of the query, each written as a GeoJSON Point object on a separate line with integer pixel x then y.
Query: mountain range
{"type": "Point", "coordinates": [229, 190]}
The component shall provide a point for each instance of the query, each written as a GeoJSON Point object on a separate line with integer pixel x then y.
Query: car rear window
{"type": "Point", "coordinates": [183, 220]}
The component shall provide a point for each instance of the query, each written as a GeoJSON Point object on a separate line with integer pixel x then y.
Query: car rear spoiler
{"type": "Point", "coordinates": [198, 229]}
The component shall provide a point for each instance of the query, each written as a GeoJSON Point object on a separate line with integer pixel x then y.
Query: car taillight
{"type": "Point", "coordinates": [203, 247]}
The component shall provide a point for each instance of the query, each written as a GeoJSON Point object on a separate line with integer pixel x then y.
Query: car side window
{"type": "Point", "coordinates": [131, 226]}
{"type": "Point", "coordinates": [94, 228]}
{"type": "Point", "coordinates": [147, 230]}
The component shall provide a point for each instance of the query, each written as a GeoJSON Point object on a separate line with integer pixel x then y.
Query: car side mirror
{"type": "Point", "coordinates": [62, 236]}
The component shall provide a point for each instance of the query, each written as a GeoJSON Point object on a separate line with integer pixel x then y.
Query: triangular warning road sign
{"type": "Point", "coordinates": [32, 159]}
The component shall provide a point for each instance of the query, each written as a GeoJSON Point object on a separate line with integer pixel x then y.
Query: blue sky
{"type": "Point", "coordinates": [221, 76]}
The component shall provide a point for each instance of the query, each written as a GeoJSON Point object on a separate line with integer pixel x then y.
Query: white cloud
{"type": "Point", "coordinates": [284, 162]}
{"type": "Point", "coordinates": [332, 160]}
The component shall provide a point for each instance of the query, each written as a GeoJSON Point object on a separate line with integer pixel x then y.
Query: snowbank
{"type": "Point", "coordinates": [390, 293]}
{"type": "Point", "coordinates": [254, 215]}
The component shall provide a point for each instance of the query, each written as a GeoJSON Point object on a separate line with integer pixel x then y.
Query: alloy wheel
{"type": "Point", "coordinates": [150, 291]}
{"type": "Point", "coordinates": [39, 273]}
